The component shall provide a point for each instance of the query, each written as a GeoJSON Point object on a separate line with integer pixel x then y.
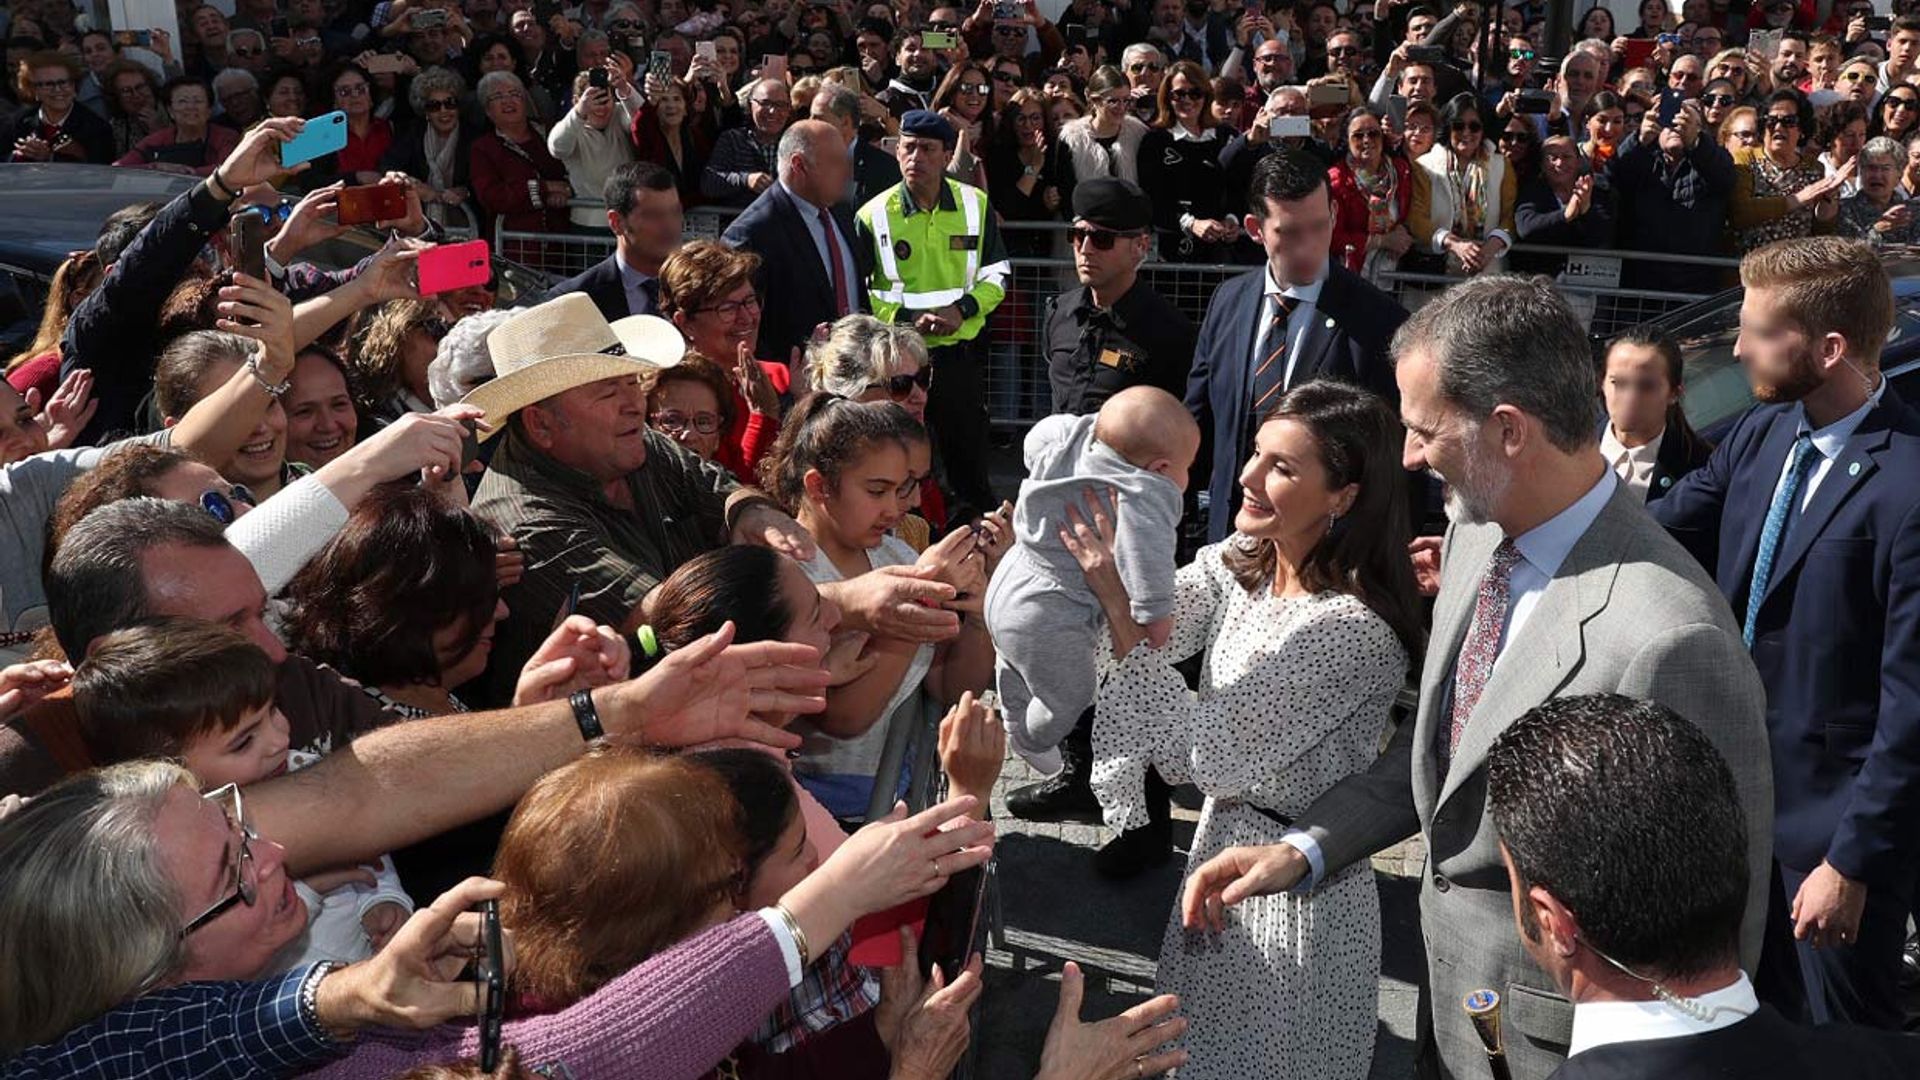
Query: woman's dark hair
{"type": "Point", "coordinates": [1346, 128]}
{"type": "Point", "coordinates": [125, 472]}
{"type": "Point", "coordinates": [740, 582]}
{"type": "Point", "coordinates": [1803, 110]}
{"type": "Point", "coordinates": [949, 87]}
{"type": "Point", "coordinates": [1725, 84]}
{"type": "Point", "coordinates": [695, 368]}
{"type": "Point", "coordinates": [405, 567]}
{"type": "Point", "coordinates": [1587, 14]}
{"type": "Point", "coordinates": [767, 804]}
{"type": "Point", "coordinates": [828, 432]}
{"type": "Point", "coordinates": [1842, 114]}
{"type": "Point", "coordinates": [1457, 109]}
{"type": "Point", "coordinates": [477, 51]}
{"type": "Point", "coordinates": [1163, 115]}
{"type": "Point", "coordinates": [320, 91]}
{"type": "Point", "coordinates": [1601, 102]}
{"type": "Point", "coordinates": [1364, 554]}
{"type": "Point", "coordinates": [1878, 124]}
{"type": "Point", "coordinates": [1648, 336]}
{"type": "Point", "coordinates": [178, 81]}
{"type": "Point", "coordinates": [1526, 163]}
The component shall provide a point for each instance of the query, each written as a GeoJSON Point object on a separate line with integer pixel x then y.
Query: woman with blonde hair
{"type": "Point", "coordinates": [866, 360]}
{"type": "Point", "coordinates": [388, 357]}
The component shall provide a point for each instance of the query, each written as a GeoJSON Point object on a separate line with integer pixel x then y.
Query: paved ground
{"type": "Point", "coordinates": [1056, 909]}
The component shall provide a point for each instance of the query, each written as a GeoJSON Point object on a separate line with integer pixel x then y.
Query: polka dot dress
{"type": "Point", "coordinates": [1294, 697]}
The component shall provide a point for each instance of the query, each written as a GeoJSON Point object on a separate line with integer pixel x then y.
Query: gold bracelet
{"type": "Point", "coordinates": [799, 938]}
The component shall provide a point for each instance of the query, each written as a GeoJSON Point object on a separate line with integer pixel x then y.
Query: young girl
{"type": "Point", "coordinates": [842, 469]}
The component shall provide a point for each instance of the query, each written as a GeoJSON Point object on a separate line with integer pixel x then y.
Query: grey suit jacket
{"type": "Point", "coordinates": [1629, 612]}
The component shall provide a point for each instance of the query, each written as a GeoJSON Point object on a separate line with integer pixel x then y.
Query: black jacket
{"type": "Point", "coordinates": [1764, 1046]}
{"type": "Point", "coordinates": [874, 171]}
{"type": "Point", "coordinates": [602, 283]}
{"type": "Point", "coordinates": [772, 228]}
{"type": "Point", "coordinates": [1679, 208]}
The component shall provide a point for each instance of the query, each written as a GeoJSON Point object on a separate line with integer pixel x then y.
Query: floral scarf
{"type": "Point", "coordinates": [1470, 187]}
{"type": "Point", "coordinates": [1378, 188]}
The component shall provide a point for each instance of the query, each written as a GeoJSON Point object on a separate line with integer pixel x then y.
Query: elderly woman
{"type": "Point", "coordinates": [193, 146]}
{"type": "Point", "coordinates": [1740, 129]}
{"type": "Point", "coordinates": [133, 104]}
{"type": "Point", "coordinates": [1372, 192]}
{"type": "Point", "coordinates": [1464, 194]}
{"type": "Point", "coordinates": [1877, 213]}
{"type": "Point", "coordinates": [515, 179]}
{"type": "Point", "coordinates": [462, 361]}
{"type": "Point", "coordinates": [1565, 206]}
{"type": "Point", "coordinates": [286, 93]}
{"type": "Point", "coordinates": [1106, 142]}
{"type": "Point", "coordinates": [350, 89]}
{"type": "Point", "coordinates": [694, 404]}
{"type": "Point", "coordinates": [1780, 193]}
{"type": "Point", "coordinates": [706, 288]}
{"type": "Point", "coordinates": [54, 127]}
{"type": "Point", "coordinates": [1844, 132]}
{"type": "Point", "coordinates": [864, 359]}
{"type": "Point", "coordinates": [668, 133]}
{"type": "Point", "coordinates": [436, 150]}
{"type": "Point", "coordinates": [388, 356]}
{"type": "Point", "coordinates": [591, 139]}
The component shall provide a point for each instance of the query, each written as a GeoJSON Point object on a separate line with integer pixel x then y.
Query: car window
{"type": "Point", "coordinates": [1717, 386]}
{"type": "Point", "coordinates": [22, 296]}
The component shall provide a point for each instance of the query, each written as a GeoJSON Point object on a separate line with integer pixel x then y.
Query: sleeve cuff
{"type": "Point", "coordinates": [967, 306]}
{"type": "Point", "coordinates": [1308, 846]}
{"type": "Point", "coordinates": [1440, 241]}
{"type": "Point", "coordinates": [789, 952]}
{"type": "Point", "coordinates": [1505, 237]}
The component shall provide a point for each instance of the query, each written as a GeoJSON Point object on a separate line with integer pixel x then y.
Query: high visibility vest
{"type": "Point", "coordinates": [932, 258]}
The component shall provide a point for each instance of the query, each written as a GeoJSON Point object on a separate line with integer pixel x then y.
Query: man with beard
{"type": "Point", "coordinates": [1808, 508]}
{"type": "Point", "coordinates": [1554, 582]}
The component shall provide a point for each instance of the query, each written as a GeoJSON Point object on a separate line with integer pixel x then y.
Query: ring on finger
{"type": "Point", "coordinates": [935, 863]}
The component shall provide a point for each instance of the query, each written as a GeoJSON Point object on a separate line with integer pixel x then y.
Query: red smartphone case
{"type": "Point", "coordinates": [454, 266]}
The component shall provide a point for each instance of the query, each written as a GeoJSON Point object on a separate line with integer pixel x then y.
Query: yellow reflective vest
{"type": "Point", "coordinates": [927, 259]}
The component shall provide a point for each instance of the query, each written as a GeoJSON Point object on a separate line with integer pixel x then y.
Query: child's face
{"type": "Point", "coordinates": [867, 501]}
{"type": "Point", "coordinates": [246, 753]}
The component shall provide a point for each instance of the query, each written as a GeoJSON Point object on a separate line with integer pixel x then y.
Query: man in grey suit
{"type": "Point", "coordinates": [1554, 582]}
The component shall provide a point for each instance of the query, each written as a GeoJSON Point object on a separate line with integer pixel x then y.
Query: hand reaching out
{"type": "Point", "coordinates": [69, 409]}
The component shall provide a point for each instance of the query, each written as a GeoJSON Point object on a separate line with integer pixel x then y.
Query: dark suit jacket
{"type": "Point", "coordinates": [1677, 458]}
{"type": "Point", "coordinates": [602, 282]}
{"type": "Point", "coordinates": [773, 228]}
{"type": "Point", "coordinates": [1764, 1046]}
{"type": "Point", "coordinates": [874, 171]}
{"type": "Point", "coordinates": [1347, 340]}
{"type": "Point", "coordinates": [1835, 638]}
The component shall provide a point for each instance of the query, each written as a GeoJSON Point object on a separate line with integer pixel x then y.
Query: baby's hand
{"type": "Point", "coordinates": [380, 922]}
{"type": "Point", "coordinates": [1160, 631]}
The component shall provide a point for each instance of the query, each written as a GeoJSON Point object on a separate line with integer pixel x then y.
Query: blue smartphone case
{"type": "Point", "coordinates": [323, 135]}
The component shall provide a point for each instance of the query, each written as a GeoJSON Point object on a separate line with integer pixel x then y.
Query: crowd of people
{"type": "Point", "coordinates": [348, 624]}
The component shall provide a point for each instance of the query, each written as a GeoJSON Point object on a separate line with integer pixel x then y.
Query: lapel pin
{"type": "Point", "coordinates": [1666, 481]}
{"type": "Point", "coordinates": [1853, 469]}
{"type": "Point", "coordinates": [1329, 324]}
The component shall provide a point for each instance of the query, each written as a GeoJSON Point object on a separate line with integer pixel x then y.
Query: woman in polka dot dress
{"type": "Point", "coordinates": [1308, 618]}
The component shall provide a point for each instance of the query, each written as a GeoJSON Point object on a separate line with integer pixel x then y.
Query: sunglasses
{"type": "Point", "coordinates": [900, 387]}
{"type": "Point", "coordinates": [1777, 122]}
{"type": "Point", "coordinates": [1902, 103]}
{"type": "Point", "coordinates": [219, 505]}
{"type": "Point", "coordinates": [1857, 76]}
{"type": "Point", "coordinates": [1364, 135]}
{"type": "Point", "coordinates": [1717, 100]}
{"type": "Point", "coordinates": [1005, 77]}
{"type": "Point", "coordinates": [1520, 54]}
{"type": "Point", "coordinates": [1101, 239]}
{"type": "Point", "coordinates": [973, 88]}
{"type": "Point", "coordinates": [442, 105]}
{"type": "Point", "coordinates": [1465, 125]}
{"type": "Point", "coordinates": [1138, 68]}
{"type": "Point", "coordinates": [1513, 136]}
{"type": "Point", "coordinates": [1188, 94]}
{"type": "Point", "coordinates": [1745, 135]}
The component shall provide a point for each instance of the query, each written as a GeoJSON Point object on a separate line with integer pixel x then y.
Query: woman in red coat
{"type": "Point", "coordinates": [515, 179]}
{"type": "Point", "coordinates": [1371, 191]}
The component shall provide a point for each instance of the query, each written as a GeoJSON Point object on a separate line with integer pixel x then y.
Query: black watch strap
{"type": "Point", "coordinates": [586, 715]}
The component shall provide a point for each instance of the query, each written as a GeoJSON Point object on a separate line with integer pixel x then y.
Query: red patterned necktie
{"type": "Point", "coordinates": [842, 292]}
{"type": "Point", "coordinates": [1482, 647]}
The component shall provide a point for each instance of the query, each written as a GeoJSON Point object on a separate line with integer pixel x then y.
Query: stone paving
{"type": "Point", "coordinates": [1056, 909]}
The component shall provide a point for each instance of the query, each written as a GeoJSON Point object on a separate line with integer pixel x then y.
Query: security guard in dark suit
{"type": "Point", "coordinates": [1112, 332]}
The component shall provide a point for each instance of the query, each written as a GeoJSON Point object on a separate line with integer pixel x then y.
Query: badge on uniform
{"type": "Point", "coordinates": [963, 243]}
{"type": "Point", "coordinates": [902, 249]}
{"type": "Point", "coordinates": [1111, 358]}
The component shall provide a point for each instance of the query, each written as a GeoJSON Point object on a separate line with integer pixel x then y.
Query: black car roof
{"type": "Point", "coordinates": [50, 211]}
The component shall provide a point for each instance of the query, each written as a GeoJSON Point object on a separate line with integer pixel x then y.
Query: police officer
{"type": "Point", "coordinates": [1112, 332]}
{"type": "Point", "coordinates": [939, 266]}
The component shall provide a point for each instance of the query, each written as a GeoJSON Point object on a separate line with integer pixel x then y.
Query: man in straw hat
{"type": "Point", "coordinates": [593, 496]}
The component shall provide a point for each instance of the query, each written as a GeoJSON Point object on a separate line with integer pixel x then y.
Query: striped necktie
{"type": "Point", "coordinates": [1270, 377]}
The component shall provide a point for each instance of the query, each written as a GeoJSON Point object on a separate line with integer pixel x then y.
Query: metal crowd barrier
{"type": "Point", "coordinates": [1017, 389]}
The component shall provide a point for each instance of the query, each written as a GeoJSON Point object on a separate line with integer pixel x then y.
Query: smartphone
{"type": "Point", "coordinates": [1076, 36]}
{"type": "Point", "coordinates": [490, 971]}
{"type": "Point", "coordinates": [1668, 39]}
{"type": "Point", "coordinates": [1254, 8]}
{"type": "Point", "coordinates": [247, 236]}
{"type": "Point", "coordinates": [661, 64]}
{"type": "Point", "coordinates": [1670, 103]}
{"type": "Point", "coordinates": [1326, 94]}
{"type": "Point", "coordinates": [936, 39]}
{"type": "Point", "coordinates": [1879, 24]}
{"type": "Point", "coordinates": [454, 266]}
{"type": "Point", "coordinates": [470, 453]}
{"type": "Point", "coordinates": [428, 18]}
{"type": "Point", "coordinates": [1533, 102]}
{"type": "Point", "coordinates": [323, 135]}
{"type": "Point", "coordinates": [774, 67]}
{"type": "Point", "coordinates": [279, 28]}
{"type": "Point", "coordinates": [1765, 42]}
{"type": "Point", "coordinates": [953, 922]}
{"type": "Point", "coordinates": [1290, 127]}
{"type": "Point", "coordinates": [139, 38]}
{"type": "Point", "coordinates": [1637, 52]}
{"type": "Point", "coordinates": [386, 64]}
{"type": "Point", "coordinates": [599, 79]}
{"type": "Point", "coordinates": [1006, 9]}
{"type": "Point", "coordinates": [369, 203]}
{"type": "Point", "coordinates": [1426, 54]}
{"type": "Point", "coordinates": [705, 50]}
{"type": "Point", "coordinates": [1397, 111]}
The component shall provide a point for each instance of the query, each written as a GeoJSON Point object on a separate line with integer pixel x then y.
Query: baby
{"type": "Point", "coordinates": [202, 694]}
{"type": "Point", "coordinates": [1041, 613]}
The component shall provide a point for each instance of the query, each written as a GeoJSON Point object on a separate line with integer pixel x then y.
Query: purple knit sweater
{"type": "Point", "coordinates": [673, 1017]}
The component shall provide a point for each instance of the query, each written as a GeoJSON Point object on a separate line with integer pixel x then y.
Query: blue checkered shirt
{"type": "Point", "coordinates": [200, 1031]}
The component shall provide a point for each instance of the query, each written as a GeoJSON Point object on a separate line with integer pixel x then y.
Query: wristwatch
{"type": "Point", "coordinates": [1031, 170]}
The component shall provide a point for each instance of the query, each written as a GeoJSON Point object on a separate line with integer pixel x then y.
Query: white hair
{"type": "Point", "coordinates": [462, 361]}
{"type": "Point", "coordinates": [1137, 50]}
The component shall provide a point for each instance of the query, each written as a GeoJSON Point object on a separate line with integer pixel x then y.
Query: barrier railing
{"type": "Point", "coordinates": [1018, 392]}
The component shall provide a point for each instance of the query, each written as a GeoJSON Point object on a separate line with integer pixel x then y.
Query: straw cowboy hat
{"type": "Point", "coordinates": [565, 343]}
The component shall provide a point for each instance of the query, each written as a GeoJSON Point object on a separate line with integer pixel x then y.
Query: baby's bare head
{"type": "Point", "coordinates": [1151, 429]}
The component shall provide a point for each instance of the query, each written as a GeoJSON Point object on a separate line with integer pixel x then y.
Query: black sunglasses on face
{"type": "Point", "coordinates": [1775, 122]}
{"type": "Point", "coordinates": [1717, 100]}
{"type": "Point", "coordinates": [900, 387]}
{"type": "Point", "coordinates": [1101, 239]}
{"type": "Point", "coordinates": [1465, 125]}
{"type": "Point", "coordinates": [442, 105]}
{"type": "Point", "coordinates": [1189, 94]}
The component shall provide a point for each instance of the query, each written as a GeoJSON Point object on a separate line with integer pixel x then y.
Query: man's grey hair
{"type": "Point", "coordinates": [806, 141]}
{"type": "Point", "coordinates": [234, 36]}
{"type": "Point", "coordinates": [588, 37]}
{"type": "Point", "coordinates": [231, 79]}
{"type": "Point", "coordinates": [1136, 51]}
{"type": "Point", "coordinates": [97, 582]}
{"type": "Point", "coordinates": [1881, 148]}
{"type": "Point", "coordinates": [860, 351]}
{"type": "Point", "coordinates": [434, 79]}
{"type": "Point", "coordinates": [463, 362]}
{"type": "Point", "coordinates": [839, 102]}
{"type": "Point", "coordinates": [89, 913]}
{"type": "Point", "coordinates": [1510, 340]}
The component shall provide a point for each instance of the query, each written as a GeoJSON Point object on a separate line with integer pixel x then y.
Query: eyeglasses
{"type": "Point", "coordinates": [673, 421]}
{"type": "Point", "coordinates": [1101, 239]}
{"type": "Point", "coordinates": [442, 105]}
{"type": "Point", "coordinates": [1465, 125]}
{"type": "Point", "coordinates": [361, 89]}
{"type": "Point", "coordinates": [1188, 94]}
{"type": "Point", "coordinates": [1717, 101]}
{"type": "Point", "coordinates": [730, 308]}
{"type": "Point", "coordinates": [1147, 65]}
{"type": "Point", "coordinates": [1776, 122]}
{"type": "Point", "coordinates": [1342, 50]}
{"type": "Point", "coordinates": [1269, 58]}
{"type": "Point", "coordinates": [244, 890]}
{"type": "Point", "coordinates": [1007, 77]}
{"type": "Point", "coordinates": [248, 52]}
{"type": "Point", "coordinates": [52, 84]}
{"type": "Point", "coordinates": [1364, 135]}
{"type": "Point", "coordinates": [900, 387]}
{"type": "Point", "coordinates": [219, 504]}
{"type": "Point", "coordinates": [306, 42]}
{"type": "Point", "coordinates": [1745, 135]}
